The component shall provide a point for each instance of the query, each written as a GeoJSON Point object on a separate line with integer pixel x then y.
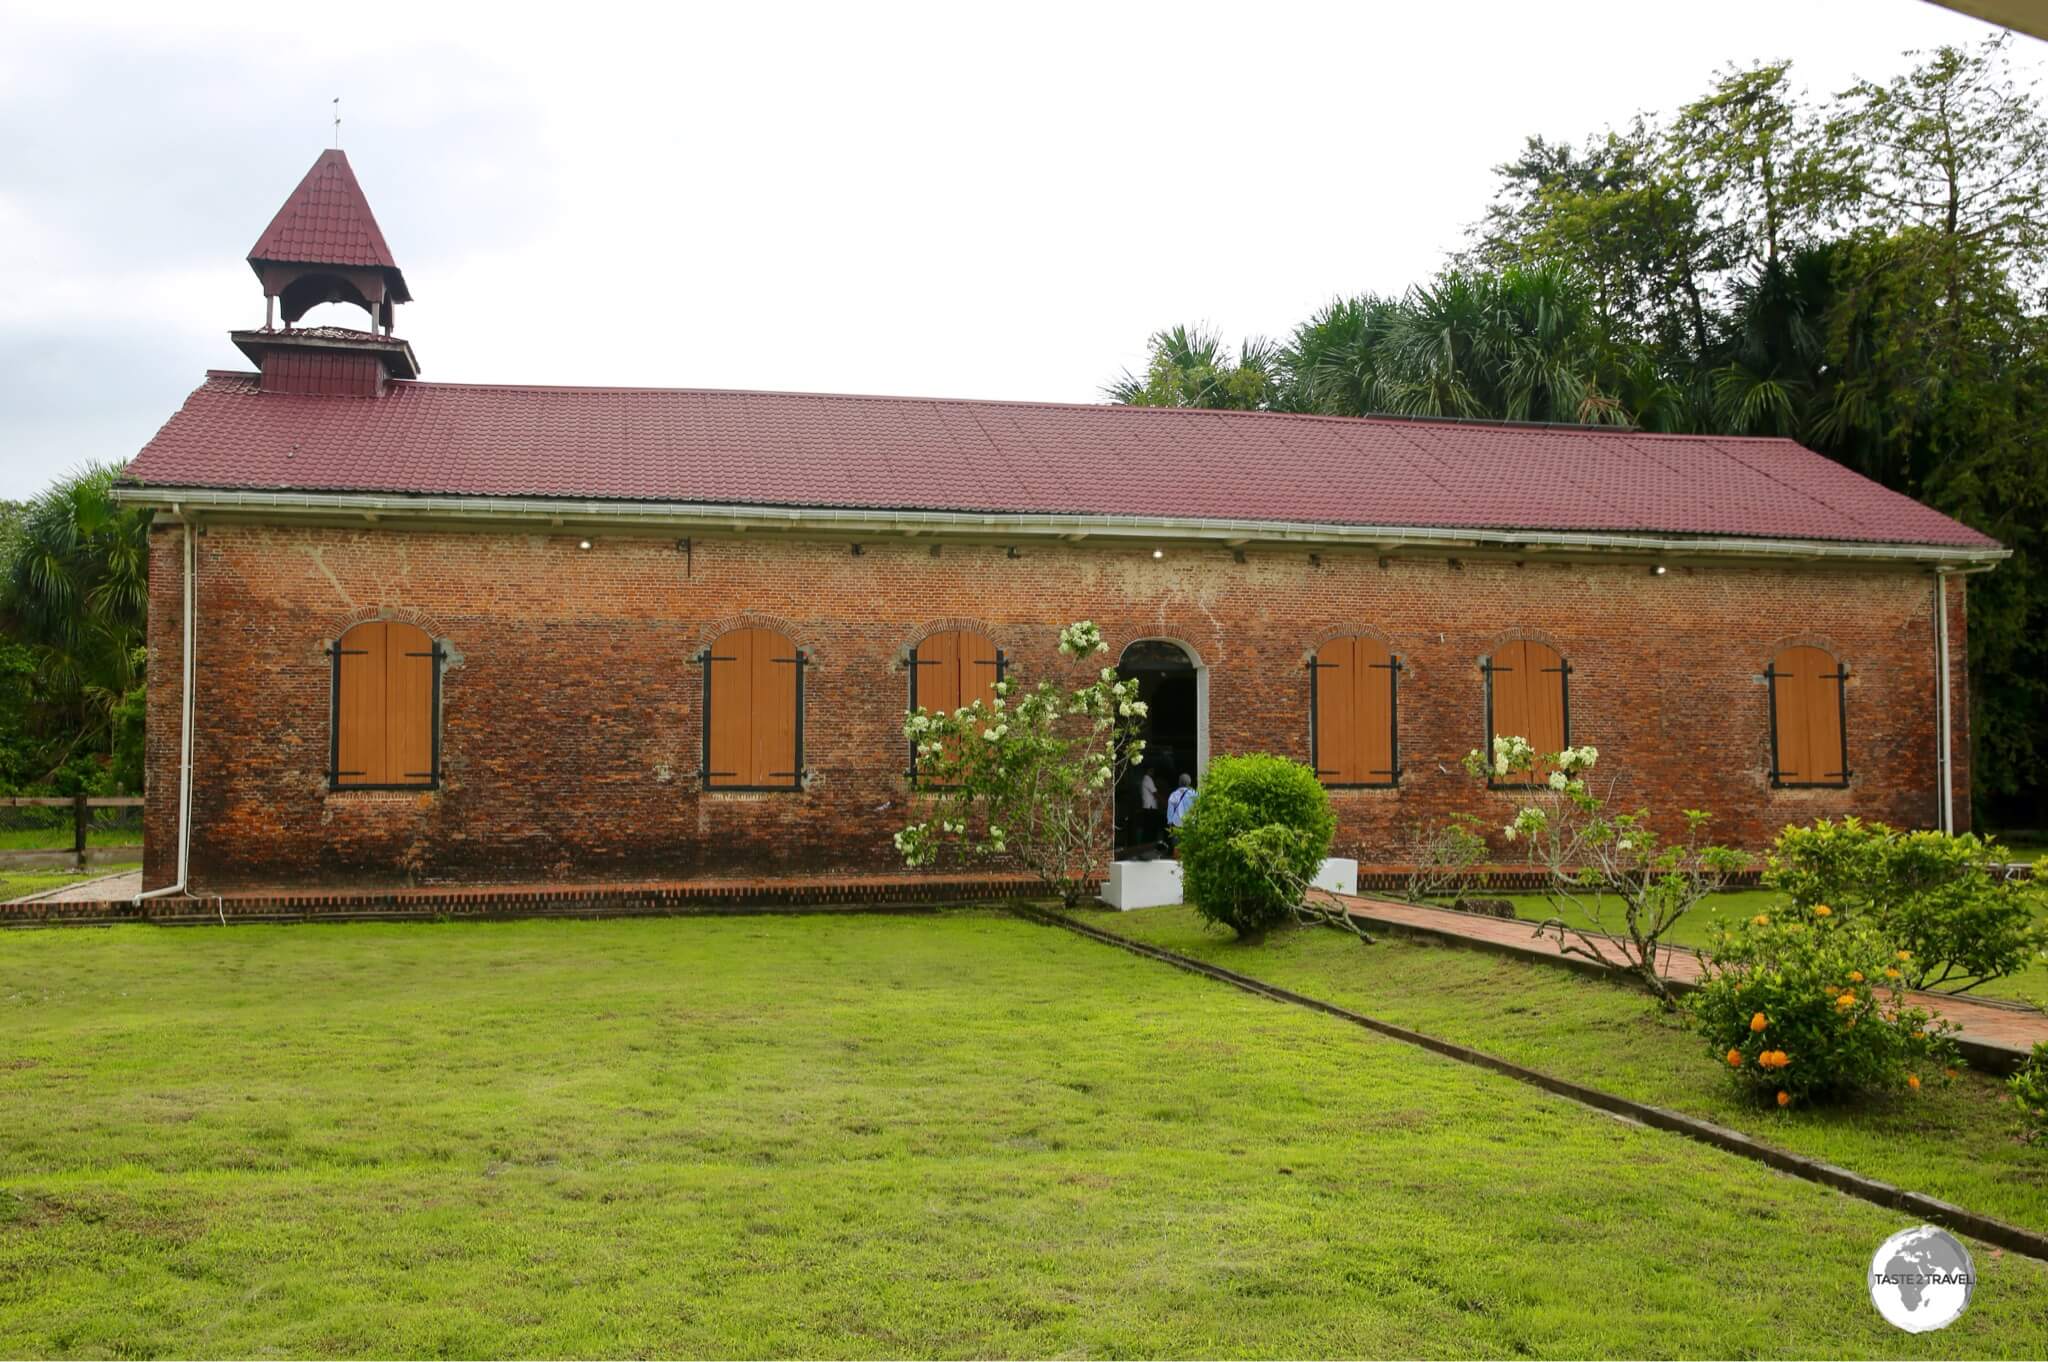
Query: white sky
{"type": "Point", "coordinates": [959, 200]}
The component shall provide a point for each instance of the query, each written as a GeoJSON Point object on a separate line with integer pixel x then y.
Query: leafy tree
{"type": "Point", "coordinates": [73, 595]}
{"type": "Point", "coordinates": [1862, 274]}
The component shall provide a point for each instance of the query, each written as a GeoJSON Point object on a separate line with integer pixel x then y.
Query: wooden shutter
{"type": "Point", "coordinates": [752, 719]}
{"type": "Point", "coordinates": [1527, 688]}
{"type": "Point", "coordinates": [386, 692]}
{"type": "Point", "coordinates": [938, 673]}
{"type": "Point", "coordinates": [981, 666]}
{"type": "Point", "coordinates": [409, 671]}
{"type": "Point", "coordinates": [728, 710]}
{"type": "Point", "coordinates": [1354, 689]}
{"type": "Point", "coordinates": [778, 673]}
{"type": "Point", "coordinates": [1335, 682]}
{"type": "Point", "coordinates": [952, 669]}
{"type": "Point", "coordinates": [1807, 705]}
{"type": "Point", "coordinates": [360, 756]}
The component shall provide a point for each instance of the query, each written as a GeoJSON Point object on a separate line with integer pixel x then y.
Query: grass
{"type": "Point", "coordinates": [1700, 927]}
{"type": "Point", "coordinates": [16, 884]}
{"type": "Point", "coordinates": [1955, 1140]}
{"type": "Point", "coordinates": [64, 838]}
{"type": "Point", "coordinates": [955, 1135]}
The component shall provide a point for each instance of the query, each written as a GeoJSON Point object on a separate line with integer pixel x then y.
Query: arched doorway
{"type": "Point", "coordinates": [1169, 684]}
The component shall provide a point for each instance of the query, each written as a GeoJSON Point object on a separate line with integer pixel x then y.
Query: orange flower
{"type": "Point", "coordinates": [1905, 955]}
{"type": "Point", "coordinates": [1846, 1000]}
{"type": "Point", "coordinates": [1913, 1082]}
{"type": "Point", "coordinates": [1758, 1023]}
{"type": "Point", "coordinates": [1773, 1059]}
{"type": "Point", "coordinates": [1761, 920]}
{"type": "Point", "coordinates": [1952, 1073]}
{"type": "Point", "coordinates": [1735, 1059]}
{"type": "Point", "coordinates": [1891, 974]}
{"type": "Point", "coordinates": [1822, 910]}
{"type": "Point", "coordinates": [1855, 976]}
{"type": "Point", "coordinates": [1784, 1098]}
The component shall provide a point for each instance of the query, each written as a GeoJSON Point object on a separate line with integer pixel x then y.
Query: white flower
{"type": "Point", "coordinates": [1500, 766]}
{"type": "Point", "coordinates": [1558, 780]}
{"type": "Point", "coordinates": [1509, 832]}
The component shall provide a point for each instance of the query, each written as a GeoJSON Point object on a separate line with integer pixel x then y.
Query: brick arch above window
{"type": "Point", "coordinates": [710, 631]}
{"type": "Point", "coordinates": [1809, 717]}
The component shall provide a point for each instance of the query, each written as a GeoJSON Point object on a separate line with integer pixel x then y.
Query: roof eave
{"type": "Point", "coordinates": [653, 515]}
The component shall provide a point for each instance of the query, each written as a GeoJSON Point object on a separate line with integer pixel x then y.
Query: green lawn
{"type": "Point", "coordinates": [1699, 928]}
{"type": "Point", "coordinates": [16, 884]}
{"type": "Point", "coordinates": [1952, 1140]}
{"type": "Point", "coordinates": [64, 838]}
{"type": "Point", "coordinates": [955, 1135]}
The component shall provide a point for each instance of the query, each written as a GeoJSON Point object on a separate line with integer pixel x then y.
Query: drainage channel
{"type": "Point", "coordinates": [1933, 1209]}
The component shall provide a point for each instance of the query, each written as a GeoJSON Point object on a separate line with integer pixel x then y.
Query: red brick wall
{"type": "Point", "coordinates": [570, 713]}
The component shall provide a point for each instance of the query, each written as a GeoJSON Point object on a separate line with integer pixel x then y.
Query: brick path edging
{"type": "Point", "coordinates": [1879, 1193]}
{"type": "Point", "coordinates": [683, 898]}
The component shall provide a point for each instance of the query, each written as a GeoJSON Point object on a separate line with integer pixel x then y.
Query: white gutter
{"type": "Point", "coordinates": [1941, 689]}
{"type": "Point", "coordinates": [1944, 723]}
{"type": "Point", "coordinates": [185, 707]}
{"type": "Point", "coordinates": [840, 520]}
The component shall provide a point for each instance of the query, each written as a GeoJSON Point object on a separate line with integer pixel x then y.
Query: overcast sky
{"type": "Point", "coordinates": [960, 200]}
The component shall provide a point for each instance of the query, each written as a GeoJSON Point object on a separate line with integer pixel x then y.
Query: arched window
{"type": "Point", "coordinates": [753, 712]}
{"type": "Point", "coordinates": [1809, 718]}
{"type": "Point", "coordinates": [1528, 695]}
{"type": "Point", "coordinates": [385, 729]}
{"type": "Point", "coordinates": [1354, 736]}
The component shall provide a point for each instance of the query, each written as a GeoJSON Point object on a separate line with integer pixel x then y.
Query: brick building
{"type": "Point", "coordinates": [409, 632]}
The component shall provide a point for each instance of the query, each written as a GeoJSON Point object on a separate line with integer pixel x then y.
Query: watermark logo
{"type": "Point", "coordinates": [1921, 1279]}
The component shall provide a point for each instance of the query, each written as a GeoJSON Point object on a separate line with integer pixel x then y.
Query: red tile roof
{"type": "Point", "coordinates": [896, 453]}
{"type": "Point", "coordinates": [326, 221]}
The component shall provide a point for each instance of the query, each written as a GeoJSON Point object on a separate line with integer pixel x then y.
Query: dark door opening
{"type": "Point", "coordinates": [1166, 683]}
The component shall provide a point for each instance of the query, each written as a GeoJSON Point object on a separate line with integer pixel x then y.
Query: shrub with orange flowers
{"type": "Point", "coordinates": [1787, 1011]}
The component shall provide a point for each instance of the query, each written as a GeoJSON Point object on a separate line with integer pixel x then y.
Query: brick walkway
{"type": "Point", "coordinates": [1993, 1036]}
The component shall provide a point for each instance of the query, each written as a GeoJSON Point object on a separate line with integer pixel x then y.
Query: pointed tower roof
{"type": "Point", "coordinates": [327, 221]}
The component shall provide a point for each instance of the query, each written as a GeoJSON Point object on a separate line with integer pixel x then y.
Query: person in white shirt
{"type": "Point", "coordinates": [1177, 802]}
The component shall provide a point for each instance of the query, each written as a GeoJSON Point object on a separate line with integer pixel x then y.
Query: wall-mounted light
{"type": "Point", "coordinates": [857, 550]}
{"type": "Point", "coordinates": [583, 543]}
{"type": "Point", "coordinates": [1013, 552]}
{"type": "Point", "coordinates": [1159, 553]}
{"type": "Point", "coordinates": [1657, 571]}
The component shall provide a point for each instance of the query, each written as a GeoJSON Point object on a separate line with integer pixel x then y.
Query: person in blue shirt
{"type": "Point", "coordinates": [1177, 805]}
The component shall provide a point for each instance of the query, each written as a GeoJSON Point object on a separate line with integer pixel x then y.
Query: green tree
{"type": "Point", "coordinates": [1190, 367]}
{"type": "Point", "coordinates": [73, 595]}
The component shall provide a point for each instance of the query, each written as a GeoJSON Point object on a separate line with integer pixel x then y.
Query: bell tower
{"type": "Point", "coordinates": [324, 246]}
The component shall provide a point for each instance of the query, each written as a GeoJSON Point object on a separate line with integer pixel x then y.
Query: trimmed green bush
{"type": "Point", "coordinates": [1808, 1003]}
{"type": "Point", "coordinates": [1253, 840]}
{"type": "Point", "coordinates": [1930, 893]}
{"type": "Point", "coordinates": [2029, 1090]}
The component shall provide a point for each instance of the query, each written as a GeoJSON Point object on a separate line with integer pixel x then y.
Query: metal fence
{"type": "Point", "coordinates": [75, 830]}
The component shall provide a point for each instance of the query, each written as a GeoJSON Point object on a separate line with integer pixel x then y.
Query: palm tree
{"type": "Point", "coordinates": [1191, 367]}
{"type": "Point", "coordinates": [74, 591]}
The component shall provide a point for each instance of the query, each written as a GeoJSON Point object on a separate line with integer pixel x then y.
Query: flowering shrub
{"type": "Point", "coordinates": [1804, 1004]}
{"type": "Point", "coordinates": [2028, 1089]}
{"type": "Point", "coordinates": [1254, 841]}
{"type": "Point", "coordinates": [1626, 884]}
{"type": "Point", "coordinates": [1931, 893]}
{"type": "Point", "coordinates": [1028, 773]}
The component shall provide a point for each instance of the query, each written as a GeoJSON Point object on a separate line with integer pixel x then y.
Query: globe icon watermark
{"type": "Point", "coordinates": [1921, 1279]}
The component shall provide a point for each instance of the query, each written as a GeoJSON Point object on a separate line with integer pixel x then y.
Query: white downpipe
{"type": "Point", "coordinates": [1941, 690]}
{"type": "Point", "coordinates": [184, 734]}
